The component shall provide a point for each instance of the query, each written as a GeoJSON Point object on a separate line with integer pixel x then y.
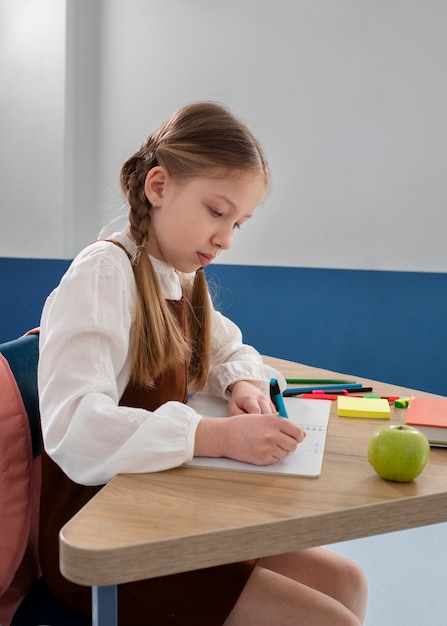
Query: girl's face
{"type": "Point", "coordinates": [194, 221]}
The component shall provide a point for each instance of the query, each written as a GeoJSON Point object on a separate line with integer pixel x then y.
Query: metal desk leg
{"type": "Point", "coordinates": [105, 606]}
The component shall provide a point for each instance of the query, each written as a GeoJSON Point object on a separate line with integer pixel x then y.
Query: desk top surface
{"type": "Point", "coordinates": [145, 525]}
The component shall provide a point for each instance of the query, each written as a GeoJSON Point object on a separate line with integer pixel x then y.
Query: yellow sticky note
{"type": "Point", "coordinates": [378, 408]}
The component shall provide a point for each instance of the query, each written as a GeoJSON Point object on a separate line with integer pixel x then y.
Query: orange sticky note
{"type": "Point", "coordinates": [430, 416]}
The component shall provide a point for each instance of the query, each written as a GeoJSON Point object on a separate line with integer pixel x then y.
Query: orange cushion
{"type": "Point", "coordinates": [15, 477]}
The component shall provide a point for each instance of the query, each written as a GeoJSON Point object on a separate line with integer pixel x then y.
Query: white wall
{"type": "Point", "coordinates": [348, 98]}
{"type": "Point", "coordinates": [32, 86]}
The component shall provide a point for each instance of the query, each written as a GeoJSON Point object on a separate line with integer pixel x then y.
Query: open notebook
{"type": "Point", "coordinates": [306, 460]}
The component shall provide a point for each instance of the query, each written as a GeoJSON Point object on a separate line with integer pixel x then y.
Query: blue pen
{"type": "Point", "coordinates": [293, 391]}
{"type": "Point", "coordinates": [275, 394]}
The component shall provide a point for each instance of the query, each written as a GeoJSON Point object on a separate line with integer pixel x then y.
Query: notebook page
{"type": "Point", "coordinates": [306, 460]}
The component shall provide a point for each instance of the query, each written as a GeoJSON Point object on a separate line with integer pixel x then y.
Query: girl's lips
{"type": "Point", "coordinates": [204, 259]}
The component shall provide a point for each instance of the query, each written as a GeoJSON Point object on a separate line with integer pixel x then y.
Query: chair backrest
{"type": "Point", "coordinates": [20, 477]}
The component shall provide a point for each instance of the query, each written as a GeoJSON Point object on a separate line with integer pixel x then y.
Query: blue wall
{"type": "Point", "coordinates": [25, 284]}
{"type": "Point", "coordinates": [389, 326]}
{"type": "Point", "coordinates": [384, 325]}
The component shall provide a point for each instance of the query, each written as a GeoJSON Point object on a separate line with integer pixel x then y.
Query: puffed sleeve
{"type": "Point", "coordinates": [84, 367]}
{"type": "Point", "coordinates": [232, 360]}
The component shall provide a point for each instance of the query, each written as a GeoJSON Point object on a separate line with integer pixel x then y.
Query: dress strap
{"type": "Point", "coordinates": [120, 245]}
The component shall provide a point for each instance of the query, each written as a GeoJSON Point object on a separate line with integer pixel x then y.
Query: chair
{"type": "Point", "coordinates": [24, 598]}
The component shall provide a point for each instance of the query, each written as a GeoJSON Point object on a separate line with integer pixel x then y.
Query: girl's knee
{"type": "Point", "coordinates": [357, 577]}
{"type": "Point", "coordinates": [356, 594]}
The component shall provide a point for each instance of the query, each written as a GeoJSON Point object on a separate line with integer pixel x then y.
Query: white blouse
{"type": "Point", "coordinates": [86, 336]}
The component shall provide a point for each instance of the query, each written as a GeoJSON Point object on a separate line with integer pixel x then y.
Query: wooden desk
{"type": "Point", "coordinates": [145, 525]}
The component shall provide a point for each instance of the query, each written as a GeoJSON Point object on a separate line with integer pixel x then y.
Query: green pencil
{"type": "Point", "coordinates": [317, 381]}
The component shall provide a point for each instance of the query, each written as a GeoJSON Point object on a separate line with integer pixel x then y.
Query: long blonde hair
{"type": "Point", "coordinates": [201, 139]}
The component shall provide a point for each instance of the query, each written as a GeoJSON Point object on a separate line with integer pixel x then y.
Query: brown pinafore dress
{"type": "Point", "coordinates": [200, 598]}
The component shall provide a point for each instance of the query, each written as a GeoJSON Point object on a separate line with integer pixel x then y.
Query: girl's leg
{"type": "Point", "coordinates": [309, 588]}
{"type": "Point", "coordinates": [327, 572]}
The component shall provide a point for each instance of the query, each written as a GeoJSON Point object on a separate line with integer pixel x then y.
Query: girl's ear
{"type": "Point", "coordinates": [155, 184]}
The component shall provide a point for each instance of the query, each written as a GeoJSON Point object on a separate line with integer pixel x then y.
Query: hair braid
{"type": "Point", "coordinates": [158, 340]}
{"type": "Point", "coordinates": [199, 320]}
{"type": "Point", "coordinates": [139, 204]}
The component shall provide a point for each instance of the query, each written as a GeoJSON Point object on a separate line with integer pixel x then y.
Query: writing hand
{"type": "Point", "coordinates": [261, 439]}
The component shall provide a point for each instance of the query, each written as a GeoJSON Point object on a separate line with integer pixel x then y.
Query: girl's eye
{"type": "Point", "coordinates": [215, 212]}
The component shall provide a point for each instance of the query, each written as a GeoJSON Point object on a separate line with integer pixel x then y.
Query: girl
{"type": "Point", "coordinates": [127, 334]}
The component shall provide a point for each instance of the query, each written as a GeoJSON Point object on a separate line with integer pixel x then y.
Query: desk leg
{"type": "Point", "coordinates": [105, 606]}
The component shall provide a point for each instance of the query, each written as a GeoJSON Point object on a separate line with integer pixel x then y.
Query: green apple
{"type": "Point", "coordinates": [398, 452]}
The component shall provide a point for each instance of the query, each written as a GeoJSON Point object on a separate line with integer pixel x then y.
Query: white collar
{"type": "Point", "coordinates": [169, 278]}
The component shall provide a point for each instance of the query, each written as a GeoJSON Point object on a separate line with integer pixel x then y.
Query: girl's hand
{"type": "Point", "coordinates": [261, 439]}
{"type": "Point", "coordinates": [248, 397]}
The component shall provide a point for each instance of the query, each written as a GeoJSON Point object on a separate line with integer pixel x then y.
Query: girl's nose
{"type": "Point", "coordinates": [222, 238]}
